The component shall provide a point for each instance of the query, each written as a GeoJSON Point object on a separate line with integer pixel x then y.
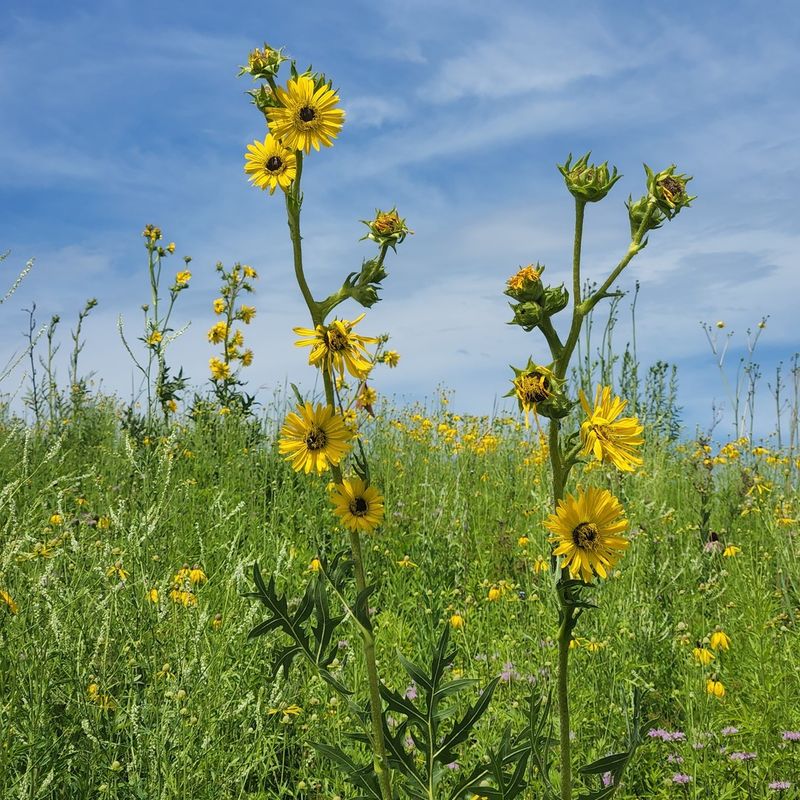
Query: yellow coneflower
{"type": "Point", "coordinates": [494, 594]}
{"type": "Point", "coordinates": [56, 519]}
{"type": "Point", "coordinates": [720, 640]}
{"type": "Point", "coordinates": [315, 565]}
{"type": "Point", "coordinates": [585, 532]}
{"type": "Point", "coordinates": [540, 565]}
{"type": "Point", "coordinates": [731, 550]}
{"type": "Point", "coordinates": [8, 601]}
{"type": "Point", "coordinates": [270, 165]}
{"type": "Point", "coordinates": [218, 332]}
{"type": "Point", "coordinates": [609, 438]}
{"type": "Point", "coordinates": [335, 347]}
{"type": "Point", "coordinates": [249, 272]}
{"type": "Point", "coordinates": [307, 116]}
{"type": "Point", "coordinates": [391, 358]}
{"type": "Point", "coordinates": [246, 314]}
{"type": "Point", "coordinates": [103, 523]}
{"type": "Point", "coordinates": [196, 575]}
{"type": "Point", "coordinates": [154, 338]}
{"type": "Point", "coordinates": [358, 506]}
{"type": "Point", "coordinates": [703, 655]}
{"type": "Point", "coordinates": [715, 688]}
{"type": "Point", "coordinates": [152, 596]}
{"type": "Point", "coordinates": [406, 563]}
{"type": "Point", "coordinates": [314, 438]}
{"type": "Point", "coordinates": [116, 570]}
{"type": "Point", "coordinates": [456, 621]}
{"type": "Point", "coordinates": [219, 369]}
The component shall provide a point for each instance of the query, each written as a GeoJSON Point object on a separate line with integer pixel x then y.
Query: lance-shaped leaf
{"type": "Point", "coordinates": [362, 777]}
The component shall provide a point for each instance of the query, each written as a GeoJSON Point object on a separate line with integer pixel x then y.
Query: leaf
{"type": "Point", "coordinates": [605, 764]}
{"type": "Point", "coordinates": [361, 777]}
{"type": "Point", "coordinates": [462, 728]}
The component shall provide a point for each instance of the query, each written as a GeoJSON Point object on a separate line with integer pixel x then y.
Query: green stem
{"type": "Point", "coordinates": [562, 362]}
{"type": "Point", "coordinates": [380, 758]}
{"type": "Point", "coordinates": [564, 636]}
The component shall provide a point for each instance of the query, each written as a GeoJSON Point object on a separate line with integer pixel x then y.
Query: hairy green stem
{"type": "Point", "coordinates": [380, 758]}
{"type": "Point", "coordinates": [564, 636]}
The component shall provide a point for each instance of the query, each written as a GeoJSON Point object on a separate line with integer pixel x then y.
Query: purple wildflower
{"type": "Point", "coordinates": [742, 756]}
{"type": "Point", "coordinates": [780, 786]}
{"type": "Point", "coordinates": [608, 779]}
{"type": "Point", "coordinates": [411, 691]}
{"type": "Point", "coordinates": [454, 765]}
{"type": "Point", "coordinates": [509, 673]}
{"type": "Point", "coordinates": [681, 777]}
{"type": "Point", "coordinates": [674, 758]}
{"type": "Point", "coordinates": [791, 736]}
{"type": "Point", "coordinates": [729, 730]}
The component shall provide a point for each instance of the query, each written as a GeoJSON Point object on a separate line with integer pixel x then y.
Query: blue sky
{"type": "Point", "coordinates": [116, 114]}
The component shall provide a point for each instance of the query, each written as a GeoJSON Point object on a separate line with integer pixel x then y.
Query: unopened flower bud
{"type": "Point", "coordinates": [264, 63]}
{"type": "Point", "coordinates": [387, 228]}
{"type": "Point", "coordinates": [526, 284]}
{"type": "Point", "coordinates": [588, 182]}
{"type": "Point", "coordinates": [641, 210]}
{"type": "Point", "coordinates": [668, 190]}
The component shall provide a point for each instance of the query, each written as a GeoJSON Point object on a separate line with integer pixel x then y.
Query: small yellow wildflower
{"type": "Point", "coordinates": [216, 623]}
{"type": "Point", "coordinates": [219, 305]}
{"type": "Point", "coordinates": [731, 550]}
{"type": "Point", "coordinates": [703, 655]}
{"type": "Point", "coordinates": [391, 358]}
{"type": "Point", "coordinates": [172, 406]}
{"type": "Point", "coordinates": [249, 272]}
{"type": "Point", "coordinates": [219, 369]}
{"type": "Point", "coordinates": [116, 570]}
{"type": "Point", "coordinates": [523, 541]}
{"type": "Point", "coordinates": [218, 332]}
{"type": "Point", "coordinates": [406, 563]}
{"type": "Point", "coordinates": [8, 601]}
{"type": "Point", "coordinates": [720, 640]}
{"type": "Point", "coordinates": [56, 519]}
{"type": "Point", "coordinates": [246, 314]}
{"type": "Point", "coordinates": [171, 247]}
{"type": "Point", "coordinates": [183, 277]}
{"type": "Point", "coordinates": [315, 565]}
{"type": "Point", "coordinates": [540, 565]}
{"type": "Point", "coordinates": [196, 575]}
{"type": "Point", "coordinates": [457, 621]}
{"type": "Point", "coordinates": [494, 594]}
{"type": "Point", "coordinates": [152, 596]}
{"type": "Point", "coordinates": [715, 688]}
{"type": "Point", "coordinates": [103, 523]}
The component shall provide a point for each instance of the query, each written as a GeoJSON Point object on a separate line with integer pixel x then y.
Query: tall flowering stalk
{"type": "Point", "coordinates": [302, 115]}
{"type": "Point", "coordinates": [586, 528]}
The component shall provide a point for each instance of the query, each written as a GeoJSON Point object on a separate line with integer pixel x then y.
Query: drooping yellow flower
{"type": "Point", "coordinates": [249, 272]}
{"type": "Point", "coordinates": [715, 688]}
{"type": "Point", "coordinates": [585, 531]}
{"type": "Point", "coordinates": [703, 655]}
{"type": "Point", "coordinates": [247, 358]}
{"type": "Point", "coordinates": [720, 640]}
{"type": "Point", "coordinates": [731, 550]}
{"type": "Point", "coordinates": [116, 571]}
{"type": "Point", "coordinates": [358, 506]}
{"type": "Point", "coordinates": [533, 385]}
{"type": "Point", "coordinates": [314, 438]}
{"type": "Point", "coordinates": [609, 438]}
{"type": "Point", "coordinates": [219, 369]}
{"type": "Point", "coordinates": [56, 519]}
{"type": "Point", "coordinates": [335, 347]}
{"type": "Point", "coordinates": [540, 565]}
{"type": "Point", "coordinates": [457, 621]}
{"type": "Point", "coordinates": [307, 116]}
{"type": "Point", "coordinates": [8, 601]}
{"type": "Point", "coordinates": [494, 594]}
{"type": "Point", "coordinates": [196, 575]}
{"type": "Point", "coordinates": [152, 596]}
{"type": "Point", "coordinates": [315, 565]}
{"type": "Point", "coordinates": [269, 164]}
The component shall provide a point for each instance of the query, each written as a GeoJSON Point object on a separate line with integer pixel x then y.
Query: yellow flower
{"type": "Point", "coordinates": [154, 338]}
{"type": "Point", "coordinates": [56, 519]}
{"type": "Point", "coordinates": [103, 523]}
{"type": "Point", "coordinates": [715, 688]}
{"type": "Point", "coordinates": [584, 530]}
{"type": "Point", "coordinates": [314, 438]}
{"type": "Point", "coordinates": [731, 550]}
{"type": "Point", "coordinates": [366, 398]}
{"type": "Point", "coordinates": [196, 575]}
{"type": "Point", "coordinates": [406, 563]}
{"type": "Point", "coordinates": [358, 506]}
{"type": "Point", "coordinates": [183, 277]}
{"type": "Point", "coordinates": [152, 233]}
{"type": "Point", "coordinates": [391, 358]}
{"type": "Point", "coordinates": [218, 332]}
{"type": "Point", "coordinates": [315, 565]}
{"type": "Point", "coordinates": [152, 596]}
{"type": "Point", "coordinates": [171, 247]}
{"type": "Point", "coordinates": [216, 623]}
{"type": "Point", "coordinates": [115, 570]}
{"type": "Point", "coordinates": [219, 305]}
{"type": "Point", "coordinates": [523, 541]}
{"type": "Point", "coordinates": [540, 565]}
{"type": "Point", "coordinates": [703, 655]}
{"type": "Point", "coordinates": [307, 116]}
{"type": "Point", "coordinates": [247, 358]}
{"type": "Point", "coordinates": [269, 164]}
{"type": "Point", "coordinates": [8, 600]}
{"type": "Point", "coordinates": [494, 594]}
{"type": "Point", "coordinates": [533, 386]}
{"type": "Point", "coordinates": [523, 277]}
{"type": "Point", "coordinates": [249, 272]}
{"type": "Point", "coordinates": [246, 314]}
{"type": "Point", "coordinates": [720, 640]}
{"type": "Point", "coordinates": [105, 701]}
{"type": "Point", "coordinates": [335, 347]}
{"type": "Point", "coordinates": [720, 324]}
{"type": "Point", "coordinates": [172, 405]}
{"type": "Point", "coordinates": [457, 621]}
{"type": "Point", "coordinates": [182, 597]}
{"type": "Point", "coordinates": [219, 369]}
{"type": "Point", "coordinates": [609, 438]}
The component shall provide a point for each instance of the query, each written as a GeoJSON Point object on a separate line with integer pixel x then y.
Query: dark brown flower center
{"type": "Point", "coordinates": [336, 341]}
{"type": "Point", "coordinates": [358, 507]}
{"type": "Point", "coordinates": [274, 163]}
{"type": "Point", "coordinates": [533, 389]}
{"type": "Point", "coordinates": [585, 535]}
{"type": "Point", "coordinates": [316, 438]}
{"type": "Point", "coordinates": [307, 114]}
{"type": "Point", "coordinates": [671, 187]}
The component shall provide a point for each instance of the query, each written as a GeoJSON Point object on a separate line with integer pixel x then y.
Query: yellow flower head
{"type": "Point", "coordinates": [457, 621]}
{"type": "Point", "coordinates": [540, 565]}
{"type": "Point", "coordinates": [219, 305]}
{"type": "Point", "coordinates": [217, 332]}
{"type": "Point", "coordinates": [116, 571]}
{"type": "Point", "coordinates": [308, 116]}
{"type": "Point", "coordinates": [154, 338]}
{"type": "Point", "coordinates": [314, 438]}
{"type": "Point", "coordinates": [731, 550]}
{"type": "Point", "coordinates": [249, 272]}
{"type": "Point", "coordinates": [533, 386]}
{"type": "Point", "coordinates": [715, 688]}
{"type": "Point", "coordinates": [56, 519]}
{"type": "Point", "coordinates": [152, 233]}
{"type": "Point", "coordinates": [703, 655]}
{"type": "Point", "coordinates": [269, 164]}
{"type": "Point", "coordinates": [315, 565]}
{"type": "Point", "coordinates": [609, 438]}
{"type": "Point", "coordinates": [585, 531]}
{"type": "Point", "coordinates": [219, 369]}
{"type": "Point", "coordinates": [246, 314]}
{"type": "Point", "coordinates": [720, 640]}
{"type": "Point", "coordinates": [391, 358]}
{"type": "Point", "coordinates": [103, 523]}
{"type": "Point", "coordinates": [247, 358]}
{"type": "Point", "coordinates": [196, 575]}
{"type": "Point", "coordinates": [524, 278]}
{"type": "Point", "coordinates": [494, 594]}
{"type": "Point", "coordinates": [183, 277]}
{"type": "Point", "coordinates": [8, 601]}
{"type": "Point", "coordinates": [335, 347]}
{"type": "Point", "coordinates": [358, 506]}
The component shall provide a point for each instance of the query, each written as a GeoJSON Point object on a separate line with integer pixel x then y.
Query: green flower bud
{"type": "Point", "coordinates": [637, 212]}
{"type": "Point", "coordinates": [387, 228]}
{"type": "Point", "coordinates": [668, 190]}
{"type": "Point", "coordinates": [263, 64]}
{"type": "Point", "coordinates": [527, 315]}
{"type": "Point", "coordinates": [588, 182]}
{"type": "Point", "coordinates": [526, 285]}
{"type": "Point", "coordinates": [555, 299]}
